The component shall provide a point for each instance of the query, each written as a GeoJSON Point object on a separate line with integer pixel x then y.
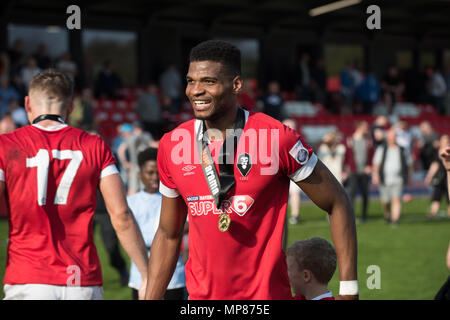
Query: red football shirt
{"type": "Point", "coordinates": [247, 261]}
{"type": "Point", "coordinates": [51, 177]}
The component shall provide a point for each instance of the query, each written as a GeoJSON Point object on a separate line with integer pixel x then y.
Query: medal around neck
{"type": "Point", "coordinates": [219, 183]}
{"type": "Point", "coordinates": [224, 222]}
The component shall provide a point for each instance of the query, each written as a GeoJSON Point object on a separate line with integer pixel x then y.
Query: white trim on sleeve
{"type": "Point", "coordinates": [168, 192]}
{"type": "Point", "coordinates": [109, 170]}
{"type": "Point", "coordinates": [2, 175]}
{"type": "Point", "coordinates": [305, 170]}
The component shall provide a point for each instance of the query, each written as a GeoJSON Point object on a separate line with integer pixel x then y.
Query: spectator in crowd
{"type": "Point", "coordinates": [311, 264]}
{"type": "Point", "coordinates": [18, 113]}
{"type": "Point", "coordinates": [447, 84]}
{"type": "Point", "coordinates": [332, 154]}
{"type": "Point", "coordinates": [379, 128]}
{"type": "Point", "coordinates": [404, 136]}
{"type": "Point", "coordinates": [294, 189]}
{"type": "Point", "coordinates": [319, 81]}
{"type": "Point", "coordinates": [88, 72]}
{"type": "Point", "coordinates": [437, 178]}
{"type": "Point", "coordinates": [149, 110]}
{"type": "Point", "coordinates": [273, 101]}
{"type": "Point", "coordinates": [438, 91]}
{"type": "Point", "coordinates": [5, 67]}
{"type": "Point", "coordinates": [146, 206]}
{"type": "Point", "coordinates": [347, 87]}
{"type": "Point", "coordinates": [108, 82]}
{"type": "Point", "coordinates": [43, 60]}
{"type": "Point", "coordinates": [7, 93]}
{"type": "Point", "coordinates": [29, 71]}
{"type": "Point", "coordinates": [67, 66]}
{"type": "Point", "coordinates": [304, 77]}
{"type": "Point", "coordinates": [82, 115]}
{"type": "Point", "coordinates": [7, 124]}
{"type": "Point", "coordinates": [16, 55]}
{"type": "Point", "coordinates": [368, 92]}
{"type": "Point", "coordinates": [134, 143]}
{"type": "Point", "coordinates": [392, 166]}
{"type": "Point", "coordinates": [171, 85]}
{"type": "Point", "coordinates": [356, 74]}
{"type": "Point", "coordinates": [428, 144]}
{"type": "Point", "coordinates": [392, 87]}
{"type": "Point", "coordinates": [19, 86]}
{"type": "Point", "coordinates": [358, 166]}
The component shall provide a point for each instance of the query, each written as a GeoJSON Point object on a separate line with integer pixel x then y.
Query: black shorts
{"type": "Point", "coordinates": [440, 191]}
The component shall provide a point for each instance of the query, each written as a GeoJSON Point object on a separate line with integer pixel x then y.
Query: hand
{"type": "Point", "coordinates": [376, 179]}
{"type": "Point", "coordinates": [444, 154]}
{"type": "Point", "coordinates": [347, 297]}
{"type": "Point", "coordinates": [142, 289]}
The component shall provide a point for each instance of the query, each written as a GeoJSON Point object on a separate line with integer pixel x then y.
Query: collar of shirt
{"type": "Point", "coordinates": [52, 127]}
{"type": "Point", "coordinates": [325, 295]}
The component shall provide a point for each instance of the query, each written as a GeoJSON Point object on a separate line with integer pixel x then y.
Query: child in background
{"type": "Point", "coordinates": [146, 207]}
{"type": "Point", "coordinates": [311, 264]}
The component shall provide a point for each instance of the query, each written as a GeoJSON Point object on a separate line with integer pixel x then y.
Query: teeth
{"type": "Point", "coordinates": [201, 103]}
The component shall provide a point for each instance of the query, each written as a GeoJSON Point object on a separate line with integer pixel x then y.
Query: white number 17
{"type": "Point", "coordinates": [42, 162]}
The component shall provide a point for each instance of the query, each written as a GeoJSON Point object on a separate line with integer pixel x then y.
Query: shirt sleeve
{"type": "Point", "coordinates": [167, 186]}
{"type": "Point", "coordinates": [107, 162]}
{"type": "Point", "coordinates": [377, 156]}
{"type": "Point", "coordinates": [2, 165]}
{"type": "Point", "coordinates": [297, 159]}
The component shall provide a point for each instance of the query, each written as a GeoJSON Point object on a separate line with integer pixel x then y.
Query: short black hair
{"type": "Point", "coordinates": [218, 51]}
{"type": "Point", "coordinates": [148, 154]}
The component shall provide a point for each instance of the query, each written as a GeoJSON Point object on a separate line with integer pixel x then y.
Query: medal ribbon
{"type": "Point", "coordinates": [220, 183]}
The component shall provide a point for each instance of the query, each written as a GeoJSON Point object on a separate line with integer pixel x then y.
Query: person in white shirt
{"type": "Point", "coordinates": [146, 206]}
{"type": "Point", "coordinates": [392, 166]}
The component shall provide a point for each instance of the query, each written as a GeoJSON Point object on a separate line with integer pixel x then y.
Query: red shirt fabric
{"type": "Point", "coordinates": [247, 261]}
{"type": "Point", "coordinates": [51, 179]}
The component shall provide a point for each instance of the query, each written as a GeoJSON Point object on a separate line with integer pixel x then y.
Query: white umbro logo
{"type": "Point", "coordinates": [188, 170]}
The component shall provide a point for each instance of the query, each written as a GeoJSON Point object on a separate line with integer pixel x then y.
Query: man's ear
{"type": "Point", "coordinates": [27, 104]}
{"type": "Point", "coordinates": [237, 84]}
{"type": "Point", "coordinates": [307, 275]}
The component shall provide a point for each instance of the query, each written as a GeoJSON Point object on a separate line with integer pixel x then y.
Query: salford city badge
{"type": "Point", "coordinates": [244, 164]}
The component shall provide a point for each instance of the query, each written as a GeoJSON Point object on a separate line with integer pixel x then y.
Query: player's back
{"type": "Point", "coordinates": [51, 179]}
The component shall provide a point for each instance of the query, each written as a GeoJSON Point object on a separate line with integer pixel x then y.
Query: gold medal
{"type": "Point", "coordinates": [224, 222]}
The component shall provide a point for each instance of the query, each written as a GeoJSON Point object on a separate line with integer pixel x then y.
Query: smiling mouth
{"type": "Point", "coordinates": [201, 105]}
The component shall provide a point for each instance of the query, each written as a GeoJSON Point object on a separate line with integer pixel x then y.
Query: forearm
{"type": "Point", "coordinates": [130, 237]}
{"type": "Point", "coordinates": [163, 259]}
{"type": "Point", "coordinates": [343, 232]}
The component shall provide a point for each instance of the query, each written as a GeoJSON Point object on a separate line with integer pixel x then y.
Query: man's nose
{"type": "Point", "coordinates": [197, 89]}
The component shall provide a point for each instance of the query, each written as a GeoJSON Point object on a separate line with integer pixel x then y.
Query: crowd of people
{"type": "Point", "coordinates": [361, 159]}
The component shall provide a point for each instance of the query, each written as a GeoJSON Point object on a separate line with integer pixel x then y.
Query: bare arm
{"type": "Point", "coordinates": [165, 247]}
{"type": "Point", "coordinates": [444, 154]}
{"type": "Point", "coordinates": [123, 221]}
{"type": "Point", "coordinates": [327, 193]}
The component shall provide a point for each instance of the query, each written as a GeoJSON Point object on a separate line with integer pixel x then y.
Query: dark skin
{"type": "Point", "coordinates": [212, 91]}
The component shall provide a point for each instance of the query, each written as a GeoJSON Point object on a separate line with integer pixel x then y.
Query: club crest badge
{"type": "Point", "coordinates": [244, 164]}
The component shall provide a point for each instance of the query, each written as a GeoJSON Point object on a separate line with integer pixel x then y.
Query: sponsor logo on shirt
{"type": "Point", "coordinates": [188, 170]}
{"type": "Point", "coordinates": [204, 205]}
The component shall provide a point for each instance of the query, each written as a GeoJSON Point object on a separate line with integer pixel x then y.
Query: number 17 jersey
{"type": "Point", "coordinates": [51, 177]}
